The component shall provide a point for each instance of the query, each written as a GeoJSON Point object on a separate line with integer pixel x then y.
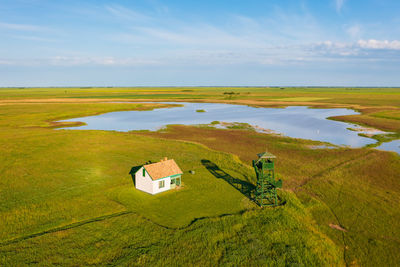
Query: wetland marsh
{"type": "Point", "coordinates": [67, 196]}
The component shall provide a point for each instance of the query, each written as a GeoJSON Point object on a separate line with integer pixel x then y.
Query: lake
{"type": "Point", "coordinates": [293, 121]}
{"type": "Point", "coordinates": [391, 146]}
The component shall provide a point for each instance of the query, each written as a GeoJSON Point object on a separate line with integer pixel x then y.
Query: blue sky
{"type": "Point", "coordinates": [219, 42]}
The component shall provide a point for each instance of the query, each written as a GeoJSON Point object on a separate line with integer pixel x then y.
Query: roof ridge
{"type": "Point", "coordinates": [158, 162]}
{"type": "Point", "coordinates": [162, 169]}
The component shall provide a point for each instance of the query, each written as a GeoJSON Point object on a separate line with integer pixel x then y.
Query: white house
{"type": "Point", "coordinates": [158, 177]}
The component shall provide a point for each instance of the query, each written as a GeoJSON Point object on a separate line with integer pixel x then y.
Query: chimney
{"type": "Point", "coordinates": [165, 158]}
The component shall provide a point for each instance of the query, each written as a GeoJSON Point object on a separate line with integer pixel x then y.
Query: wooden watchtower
{"type": "Point", "coordinates": [265, 194]}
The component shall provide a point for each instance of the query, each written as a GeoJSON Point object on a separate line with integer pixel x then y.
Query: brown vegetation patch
{"type": "Point", "coordinates": [380, 123]}
{"type": "Point", "coordinates": [337, 227]}
{"type": "Point", "coordinates": [59, 124]}
{"type": "Point", "coordinates": [295, 164]}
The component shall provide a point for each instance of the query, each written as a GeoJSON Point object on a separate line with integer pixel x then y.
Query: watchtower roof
{"type": "Point", "coordinates": [266, 155]}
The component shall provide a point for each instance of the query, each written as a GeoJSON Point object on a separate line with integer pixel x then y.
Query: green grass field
{"type": "Point", "coordinates": [66, 197]}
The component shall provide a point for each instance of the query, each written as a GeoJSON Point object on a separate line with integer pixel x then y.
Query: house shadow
{"type": "Point", "coordinates": [134, 169]}
{"type": "Point", "coordinates": [244, 187]}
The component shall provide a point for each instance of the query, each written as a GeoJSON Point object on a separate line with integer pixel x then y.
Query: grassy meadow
{"type": "Point", "coordinates": [66, 197]}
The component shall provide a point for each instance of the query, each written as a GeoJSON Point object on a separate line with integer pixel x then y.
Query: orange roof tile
{"type": "Point", "coordinates": [162, 169]}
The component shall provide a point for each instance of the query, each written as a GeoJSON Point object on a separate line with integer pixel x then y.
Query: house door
{"type": "Point", "coordinates": [173, 183]}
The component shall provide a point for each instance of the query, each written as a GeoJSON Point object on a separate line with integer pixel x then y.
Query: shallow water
{"type": "Point", "coordinates": [390, 146]}
{"type": "Point", "coordinates": [294, 121]}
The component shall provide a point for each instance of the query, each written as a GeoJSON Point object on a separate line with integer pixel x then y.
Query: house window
{"type": "Point", "coordinates": [144, 172]}
{"type": "Point", "coordinates": [161, 184]}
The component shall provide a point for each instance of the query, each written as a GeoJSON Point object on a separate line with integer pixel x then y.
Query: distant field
{"type": "Point", "coordinates": [300, 99]}
{"type": "Point", "coordinates": [66, 197]}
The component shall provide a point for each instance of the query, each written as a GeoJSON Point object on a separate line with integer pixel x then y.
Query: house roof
{"type": "Point", "coordinates": [162, 169]}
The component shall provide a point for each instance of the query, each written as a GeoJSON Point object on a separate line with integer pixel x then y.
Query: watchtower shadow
{"type": "Point", "coordinates": [132, 172]}
{"type": "Point", "coordinates": [244, 187]}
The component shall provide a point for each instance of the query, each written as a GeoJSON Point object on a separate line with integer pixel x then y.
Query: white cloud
{"type": "Point", "coordinates": [242, 33]}
{"type": "Point", "coordinates": [100, 61]}
{"type": "Point", "coordinates": [284, 38]}
{"type": "Point", "coordinates": [339, 4]}
{"type": "Point", "coordinates": [329, 48]}
{"type": "Point", "coordinates": [370, 50]}
{"type": "Point", "coordinates": [377, 44]}
{"type": "Point", "coordinates": [21, 27]}
{"type": "Point", "coordinates": [34, 38]}
{"type": "Point", "coordinates": [80, 61]}
{"type": "Point", "coordinates": [200, 35]}
{"type": "Point", "coordinates": [354, 31]}
{"type": "Point", "coordinates": [124, 13]}
{"type": "Point", "coordinates": [327, 51]}
{"type": "Point", "coordinates": [6, 62]}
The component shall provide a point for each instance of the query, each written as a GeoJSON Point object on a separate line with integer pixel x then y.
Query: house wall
{"type": "Point", "coordinates": [144, 183]}
{"type": "Point", "coordinates": [167, 186]}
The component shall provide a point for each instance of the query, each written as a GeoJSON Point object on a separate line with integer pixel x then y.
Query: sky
{"type": "Point", "coordinates": [199, 43]}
